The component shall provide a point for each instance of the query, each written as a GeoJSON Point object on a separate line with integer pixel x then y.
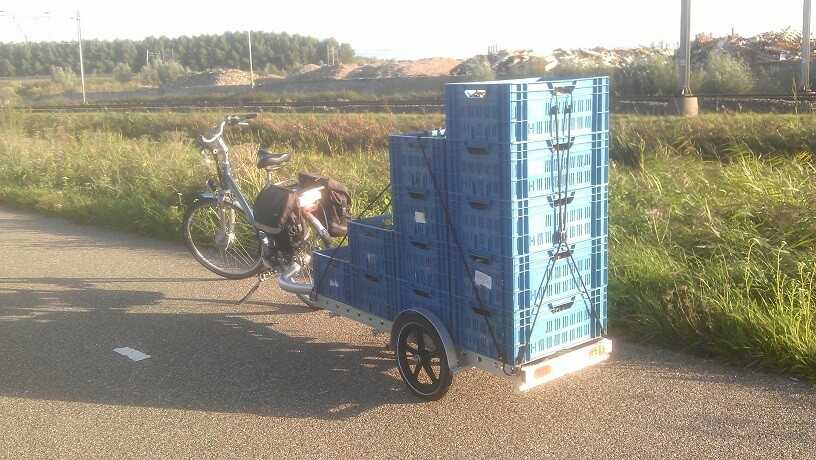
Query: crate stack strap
{"type": "Point", "coordinates": [500, 226]}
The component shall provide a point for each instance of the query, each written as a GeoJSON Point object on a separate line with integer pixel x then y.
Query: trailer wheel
{"type": "Point", "coordinates": [421, 357]}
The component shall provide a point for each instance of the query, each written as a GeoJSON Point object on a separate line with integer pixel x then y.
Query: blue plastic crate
{"type": "Point", "coordinates": [522, 110]}
{"type": "Point", "coordinates": [373, 245]}
{"type": "Point", "coordinates": [438, 302]}
{"type": "Point", "coordinates": [493, 228]}
{"type": "Point", "coordinates": [376, 295]}
{"type": "Point", "coordinates": [513, 283]}
{"type": "Point", "coordinates": [332, 272]}
{"type": "Point", "coordinates": [418, 163]}
{"type": "Point", "coordinates": [600, 211]}
{"type": "Point", "coordinates": [563, 324]}
{"type": "Point", "coordinates": [600, 262]}
{"type": "Point", "coordinates": [420, 217]}
{"type": "Point", "coordinates": [425, 263]}
{"type": "Point", "coordinates": [528, 169]}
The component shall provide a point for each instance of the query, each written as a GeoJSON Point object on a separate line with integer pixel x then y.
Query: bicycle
{"type": "Point", "coordinates": [236, 241]}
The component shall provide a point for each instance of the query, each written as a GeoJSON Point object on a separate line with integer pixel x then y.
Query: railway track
{"type": "Point", "coordinates": [415, 106]}
{"type": "Point", "coordinates": [419, 106]}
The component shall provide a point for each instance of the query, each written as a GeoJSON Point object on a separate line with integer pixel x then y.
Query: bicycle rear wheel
{"type": "Point", "coordinates": [222, 239]}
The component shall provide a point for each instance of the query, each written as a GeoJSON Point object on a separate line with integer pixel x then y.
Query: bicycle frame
{"type": "Point", "coordinates": [225, 179]}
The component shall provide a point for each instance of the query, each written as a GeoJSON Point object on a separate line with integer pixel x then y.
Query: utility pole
{"type": "Point", "coordinates": [251, 74]}
{"type": "Point", "coordinates": [686, 103]}
{"type": "Point", "coordinates": [81, 64]}
{"type": "Point", "coordinates": [685, 48]}
{"type": "Point", "coordinates": [806, 46]}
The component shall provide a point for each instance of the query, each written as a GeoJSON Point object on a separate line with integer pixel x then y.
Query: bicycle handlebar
{"type": "Point", "coordinates": [232, 120]}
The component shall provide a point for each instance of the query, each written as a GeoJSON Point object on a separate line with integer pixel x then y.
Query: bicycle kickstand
{"type": "Point", "coordinates": [263, 276]}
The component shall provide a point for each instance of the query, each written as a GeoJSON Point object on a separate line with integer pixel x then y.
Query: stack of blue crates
{"type": "Point", "coordinates": [477, 213]}
{"type": "Point", "coordinates": [333, 274]}
{"type": "Point", "coordinates": [374, 265]}
{"type": "Point", "coordinates": [517, 160]}
{"type": "Point", "coordinates": [418, 184]}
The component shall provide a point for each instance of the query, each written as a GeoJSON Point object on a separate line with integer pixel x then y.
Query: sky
{"type": "Point", "coordinates": [404, 30]}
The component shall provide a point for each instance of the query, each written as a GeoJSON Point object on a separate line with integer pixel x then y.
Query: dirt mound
{"type": "Point", "coordinates": [430, 67]}
{"type": "Point", "coordinates": [225, 77]}
{"type": "Point", "coordinates": [385, 69]}
{"type": "Point", "coordinates": [326, 72]}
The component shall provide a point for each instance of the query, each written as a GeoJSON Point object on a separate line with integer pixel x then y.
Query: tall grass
{"type": "Point", "coordinates": [720, 258]}
{"type": "Point", "coordinates": [713, 225]}
{"type": "Point", "coordinates": [324, 133]}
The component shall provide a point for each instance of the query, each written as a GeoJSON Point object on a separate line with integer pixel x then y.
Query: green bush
{"type": "Point", "coordinates": [122, 73]}
{"type": "Point", "coordinates": [9, 96]}
{"type": "Point", "coordinates": [64, 77]}
{"type": "Point", "coordinates": [162, 73]}
{"type": "Point", "coordinates": [784, 81]}
{"type": "Point", "coordinates": [652, 75]}
{"type": "Point", "coordinates": [725, 74]}
{"type": "Point", "coordinates": [481, 71]}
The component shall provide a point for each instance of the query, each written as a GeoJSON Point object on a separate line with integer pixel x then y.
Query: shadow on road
{"type": "Point", "coordinates": [57, 337]}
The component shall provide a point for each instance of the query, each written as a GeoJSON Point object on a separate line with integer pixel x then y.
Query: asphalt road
{"type": "Point", "coordinates": [275, 379]}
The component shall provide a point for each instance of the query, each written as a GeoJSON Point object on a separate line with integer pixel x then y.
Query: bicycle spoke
{"type": "Point", "coordinates": [224, 239]}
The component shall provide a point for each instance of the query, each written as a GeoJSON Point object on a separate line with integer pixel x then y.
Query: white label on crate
{"type": "Point", "coordinates": [535, 168]}
{"type": "Point", "coordinates": [483, 279]}
{"type": "Point", "coordinates": [475, 94]}
{"type": "Point", "coordinates": [333, 283]}
{"type": "Point", "coordinates": [419, 217]}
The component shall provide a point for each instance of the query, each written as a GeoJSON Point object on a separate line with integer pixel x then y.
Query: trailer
{"type": "Point", "coordinates": [456, 358]}
{"type": "Point", "coordinates": [496, 254]}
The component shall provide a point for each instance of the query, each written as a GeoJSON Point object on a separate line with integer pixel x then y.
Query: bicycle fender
{"type": "Point", "coordinates": [447, 341]}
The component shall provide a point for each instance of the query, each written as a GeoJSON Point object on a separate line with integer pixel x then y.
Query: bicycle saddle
{"type": "Point", "coordinates": [267, 159]}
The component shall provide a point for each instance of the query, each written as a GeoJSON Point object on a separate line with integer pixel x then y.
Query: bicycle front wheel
{"type": "Point", "coordinates": [222, 239]}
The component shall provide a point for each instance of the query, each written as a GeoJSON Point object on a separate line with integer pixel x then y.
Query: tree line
{"type": "Point", "coordinates": [273, 52]}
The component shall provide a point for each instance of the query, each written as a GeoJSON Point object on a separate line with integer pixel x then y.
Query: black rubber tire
{"type": "Point", "coordinates": [411, 324]}
{"type": "Point", "coordinates": [256, 268]}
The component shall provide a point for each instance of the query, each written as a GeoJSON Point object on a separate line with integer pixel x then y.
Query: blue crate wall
{"type": "Point", "coordinates": [373, 245]}
{"type": "Point", "coordinates": [424, 263]}
{"type": "Point", "coordinates": [332, 272]}
{"type": "Point", "coordinates": [600, 262]}
{"type": "Point", "coordinates": [559, 325]}
{"type": "Point", "coordinates": [494, 228]}
{"type": "Point", "coordinates": [515, 283]}
{"type": "Point", "coordinates": [438, 302]}
{"type": "Point", "coordinates": [600, 211]}
{"type": "Point", "coordinates": [421, 217]}
{"type": "Point", "coordinates": [418, 163]}
{"type": "Point", "coordinates": [526, 170]}
{"type": "Point", "coordinates": [562, 324]}
{"type": "Point", "coordinates": [378, 295]}
{"type": "Point", "coordinates": [520, 110]}
{"type": "Point", "coordinates": [419, 193]}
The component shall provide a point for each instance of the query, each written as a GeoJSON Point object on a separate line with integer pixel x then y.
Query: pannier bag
{"type": "Point", "coordinates": [274, 208]}
{"type": "Point", "coordinates": [334, 211]}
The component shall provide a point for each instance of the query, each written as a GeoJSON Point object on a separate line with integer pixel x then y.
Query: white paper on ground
{"type": "Point", "coordinates": [133, 354]}
{"type": "Point", "coordinates": [483, 279]}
